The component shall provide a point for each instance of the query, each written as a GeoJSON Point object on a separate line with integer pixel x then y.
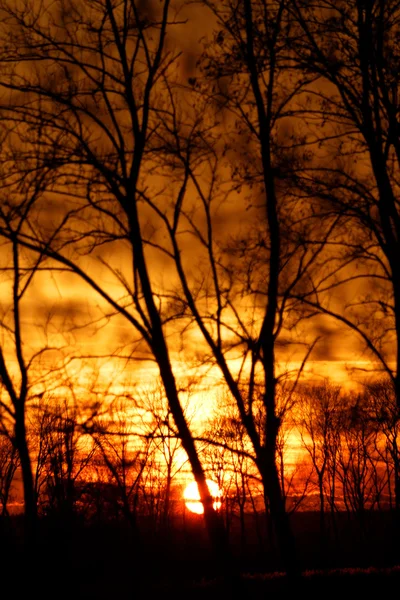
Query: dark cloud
{"type": "Point", "coordinates": [330, 343]}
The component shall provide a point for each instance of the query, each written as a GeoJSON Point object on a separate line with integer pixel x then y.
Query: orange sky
{"type": "Point", "coordinates": [58, 305]}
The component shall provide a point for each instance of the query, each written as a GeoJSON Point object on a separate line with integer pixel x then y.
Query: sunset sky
{"type": "Point", "coordinates": [199, 293]}
{"type": "Point", "coordinates": [61, 310]}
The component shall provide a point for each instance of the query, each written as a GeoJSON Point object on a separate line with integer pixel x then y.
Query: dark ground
{"type": "Point", "coordinates": [103, 561]}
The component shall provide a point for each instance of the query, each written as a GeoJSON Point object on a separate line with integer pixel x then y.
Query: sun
{"type": "Point", "coordinates": [191, 496]}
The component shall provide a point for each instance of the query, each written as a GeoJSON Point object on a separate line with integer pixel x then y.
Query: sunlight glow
{"type": "Point", "coordinates": [191, 496]}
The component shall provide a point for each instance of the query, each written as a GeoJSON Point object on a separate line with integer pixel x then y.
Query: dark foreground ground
{"type": "Point", "coordinates": [340, 584]}
{"type": "Point", "coordinates": [105, 561]}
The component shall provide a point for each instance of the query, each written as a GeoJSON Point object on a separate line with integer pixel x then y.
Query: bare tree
{"type": "Point", "coordinates": [97, 76]}
{"type": "Point", "coordinates": [18, 384]}
{"type": "Point", "coordinates": [384, 414]}
{"type": "Point", "coordinates": [356, 457]}
{"type": "Point", "coordinates": [124, 455]}
{"type": "Point", "coordinates": [9, 463]}
{"type": "Point", "coordinates": [240, 300]}
{"type": "Point", "coordinates": [230, 464]}
{"type": "Point", "coordinates": [318, 422]}
{"type": "Point", "coordinates": [352, 49]}
{"type": "Point", "coordinates": [63, 454]}
{"type": "Point", "coordinates": [166, 456]}
{"type": "Point", "coordinates": [293, 471]}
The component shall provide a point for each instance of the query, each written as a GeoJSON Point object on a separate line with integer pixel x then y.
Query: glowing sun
{"type": "Point", "coordinates": [191, 496]}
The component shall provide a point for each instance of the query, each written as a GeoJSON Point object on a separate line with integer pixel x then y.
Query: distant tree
{"type": "Point", "coordinates": [9, 463]}
{"type": "Point", "coordinates": [384, 414]}
{"type": "Point", "coordinates": [356, 457]}
{"type": "Point", "coordinates": [318, 419]}
{"type": "Point", "coordinates": [230, 464]}
{"type": "Point", "coordinates": [294, 473]}
{"type": "Point", "coordinates": [62, 455]}
{"type": "Point", "coordinates": [124, 456]}
{"type": "Point", "coordinates": [166, 460]}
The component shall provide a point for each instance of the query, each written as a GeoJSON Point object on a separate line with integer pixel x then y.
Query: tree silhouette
{"type": "Point", "coordinates": [98, 78]}
{"type": "Point", "coordinates": [17, 362]}
{"type": "Point", "coordinates": [9, 463]}
{"type": "Point", "coordinates": [241, 300]}
{"type": "Point", "coordinates": [318, 422]}
{"type": "Point", "coordinates": [352, 50]}
{"type": "Point", "coordinates": [216, 213]}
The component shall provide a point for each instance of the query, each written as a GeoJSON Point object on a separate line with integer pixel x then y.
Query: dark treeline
{"type": "Point", "coordinates": [337, 459]}
{"type": "Point", "coordinates": [230, 205]}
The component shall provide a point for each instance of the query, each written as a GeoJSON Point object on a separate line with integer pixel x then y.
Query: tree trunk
{"type": "Point", "coordinates": [30, 506]}
{"type": "Point", "coordinates": [280, 519]}
{"type": "Point", "coordinates": [214, 522]}
{"type": "Point", "coordinates": [167, 498]}
{"type": "Point", "coordinates": [322, 524]}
